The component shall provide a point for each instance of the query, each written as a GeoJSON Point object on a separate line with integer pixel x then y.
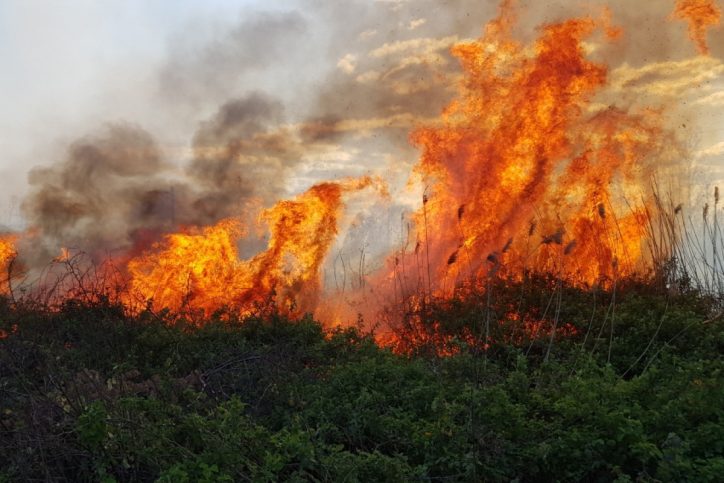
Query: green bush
{"type": "Point", "coordinates": [89, 394]}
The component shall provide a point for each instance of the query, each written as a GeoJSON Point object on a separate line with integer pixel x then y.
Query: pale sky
{"type": "Point", "coordinates": [74, 63]}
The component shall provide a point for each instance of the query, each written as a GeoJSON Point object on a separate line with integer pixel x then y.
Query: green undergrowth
{"type": "Point", "coordinates": [89, 394]}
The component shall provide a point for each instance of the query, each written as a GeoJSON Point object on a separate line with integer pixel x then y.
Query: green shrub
{"type": "Point", "coordinates": [89, 394]}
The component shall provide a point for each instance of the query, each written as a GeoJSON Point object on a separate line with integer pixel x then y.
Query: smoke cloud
{"type": "Point", "coordinates": [109, 185]}
{"type": "Point", "coordinates": [269, 104]}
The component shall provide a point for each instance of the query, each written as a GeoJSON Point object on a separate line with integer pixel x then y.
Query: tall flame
{"type": "Point", "coordinates": [522, 168]}
{"type": "Point", "coordinates": [7, 254]}
{"type": "Point", "coordinates": [201, 269]}
{"type": "Point", "coordinates": [701, 15]}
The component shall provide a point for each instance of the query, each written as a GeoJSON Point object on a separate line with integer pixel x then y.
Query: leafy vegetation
{"type": "Point", "coordinates": [88, 393]}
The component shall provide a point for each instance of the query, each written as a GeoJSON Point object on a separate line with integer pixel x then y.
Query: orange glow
{"type": "Point", "coordinates": [526, 171]}
{"type": "Point", "coordinates": [7, 254]}
{"type": "Point", "coordinates": [64, 256]}
{"type": "Point", "coordinates": [201, 270]}
{"type": "Point", "coordinates": [523, 173]}
{"type": "Point", "coordinates": [446, 339]}
{"type": "Point", "coordinates": [701, 15]}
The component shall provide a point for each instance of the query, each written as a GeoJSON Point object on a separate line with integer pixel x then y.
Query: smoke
{"type": "Point", "coordinates": [240, 114]}
{"type": "Point", "coordinates": [241, 152]}
{"type": "Point", "coordinates": [198, 72]}
{"type": "Point", "coordinates": [392, 65]}
{"type": "Point", "coordinates": [118, 185]}
{"type": "Point", "coordinates": [115, 186]}
{"type": "Point", "coordinates": [109, 185]}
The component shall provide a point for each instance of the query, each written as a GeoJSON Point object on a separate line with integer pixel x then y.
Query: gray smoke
{"type": "Point", "coordinates": [114, 189]}
{"type": "Point", "coordinates": [242, 152]}
{"type": "Point", "coordinates": [109, 185]}
{"type": "Point", "coordinates": [194, 74]}
{"type": "Point", "coordinates": [386, 67]}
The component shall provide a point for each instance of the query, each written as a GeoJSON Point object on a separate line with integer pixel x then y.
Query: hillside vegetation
{"type": "Point", "coordinates": [633, 391]}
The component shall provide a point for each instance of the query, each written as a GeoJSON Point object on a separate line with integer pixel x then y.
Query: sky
{"type": "Point", "coordinates": [78, 63]}
{"type": "Point", "coordinates": [71, 67]}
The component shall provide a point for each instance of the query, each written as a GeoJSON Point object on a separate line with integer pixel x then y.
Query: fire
{"type": "Point", "coordinates": [7, 254]}
{"type": "Point", "coordinates": [701, 15]}
{"type": "Point", "coordinates": [197, 268]}
{"type": "Point", "coordinates": [524, 171]}
{"type": "Point", "coordinates": [64, 256]}
{"type": "Point", "coordinates": [521, 169]}
{"type": "Point", "coordinates": [201, 270]}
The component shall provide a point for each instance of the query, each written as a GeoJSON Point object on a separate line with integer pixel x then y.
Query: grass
{"type": "Point", "coordinates": [91, 394]}
{"type": "Point", "coordinates": [526, 378]}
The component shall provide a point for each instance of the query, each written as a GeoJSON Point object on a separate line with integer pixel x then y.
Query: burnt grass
{"type": "Point", "coordinates": [89, 393]}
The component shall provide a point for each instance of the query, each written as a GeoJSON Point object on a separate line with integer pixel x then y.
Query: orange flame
{"type": "Point", "coordinates": [524, 172]}
{"type": "Point", "coordinates": [701, 15]}
{"type": "Point", "coordinates": [521, 142]}
{"type": "Point", "coordinates": [64, 256]}
{"type": "Point", "coordinates": [201, 269]}
{"type": "Point", "coordinates": [7, 254]}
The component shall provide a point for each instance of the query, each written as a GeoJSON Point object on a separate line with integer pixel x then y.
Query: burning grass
{"type": "Point", "coordinates": [527, 176]}
{"type": "Point", "coordinates": [197, 277]}
{"type": "Point", "coordinates": [535, 196]}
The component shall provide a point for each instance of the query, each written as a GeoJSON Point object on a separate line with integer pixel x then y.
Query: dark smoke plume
{"type": "Point", "coordinates": [387, 69]}
{"type": "Point", "coordinates": [109, 185]}
{"type": "Point", "coordinates": [242, 152]}
{"type": "Point", "coordinates": [114, 189]}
